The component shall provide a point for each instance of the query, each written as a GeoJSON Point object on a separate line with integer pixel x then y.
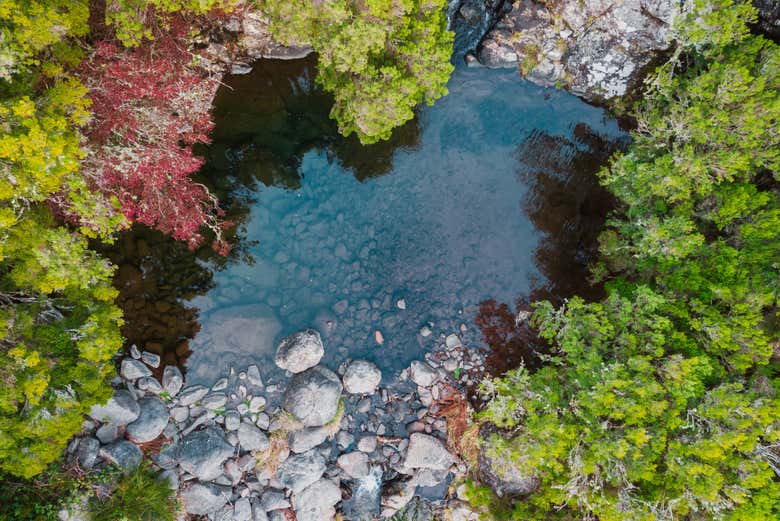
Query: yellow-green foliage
{"type": "Point", "coordinates": [379, 58]}
{"type": "Point", "coordinates": [661, 402]}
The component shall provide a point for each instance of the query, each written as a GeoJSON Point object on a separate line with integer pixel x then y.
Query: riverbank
{"type": "Point", "coordinates": [319, 444]}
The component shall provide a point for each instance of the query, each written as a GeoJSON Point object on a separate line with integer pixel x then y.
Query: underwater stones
{"type": "Point", "coordinates": [315, 502]}
{"type": "Point", "coordinates": [299, 351]}
{"type": "Point", "coordinates": [120, 409]}
{"type": "Point", "coordinates": [427, 452]}
{"type": "Point", "coordinates": [172, 380]}
{"type": "Point", "coordinates": [313, 396]}
{"type": "Point", "coordinates": [245, 330]}
{"type": "Point", "coordinates": [202, 453]}
{"type": "Point", "coordinates": [200, 499]}
{"type": "Point", "coordinates": [299, 471]}
{"type": "Point", "coordinates": [422, 374]}
{"type": "Point", "coordinates": [453, 341]}
{"type": "Point", "coordinates": [253, 376]}
{"type": "Point", "coordinates": [132, 370]}
{"type": "Point", "coordinates": [361, 377]}
{"type": "Point", "coordinates": [305, 439]}
{"type": "Point", "coordinates": [251, 438]}
{"type": "Point", "coordinates": [150, 422]}
{"type": "Point", "coordinates": [123, 454]}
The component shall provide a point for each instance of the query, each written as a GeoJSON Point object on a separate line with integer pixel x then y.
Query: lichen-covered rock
{"type": "Point", "coordinates": [120, 409]}
{"type": "Point", "coordinates": [300, 351]}
{"type": "Point", "coordinates": [506, 479]}
{"type": "Point", "coordinates": [313, 396]}
{"type": "Point", "coordinates": [595, 48]}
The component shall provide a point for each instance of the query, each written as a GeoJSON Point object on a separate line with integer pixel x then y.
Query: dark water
{"type": "Point", "coordinates": [489, 194]}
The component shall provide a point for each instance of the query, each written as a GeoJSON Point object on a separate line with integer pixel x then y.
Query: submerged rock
{"type": "Point", "coordinates": [313, 396]}
{"type": "Point", "coordinates": [300, 351]}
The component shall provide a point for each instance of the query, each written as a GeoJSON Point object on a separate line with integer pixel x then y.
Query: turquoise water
{"type": "Point", "coordinates": [334, 235]}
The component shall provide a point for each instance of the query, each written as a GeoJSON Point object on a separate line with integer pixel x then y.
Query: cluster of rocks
{"type": "Point", "coordinates": [597, 49]}
{"type": "Point", "coordinates": [327, 442]}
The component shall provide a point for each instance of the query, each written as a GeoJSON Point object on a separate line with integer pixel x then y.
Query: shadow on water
{"type": "Point", "coordinates": [569, 206]}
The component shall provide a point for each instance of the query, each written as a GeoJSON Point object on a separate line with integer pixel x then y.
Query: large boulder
{"type": "Point", "coordinates": [150, 422]}
{"type": "Point", "coordinates": [300, 471]}
{"type": "Point", "coordinates": [361, 377]}
{"type": "Point", "coordinates": [202, 453]}
{"type": "Point", "coordinates": [505, 478]}
{"type": "Point", "coordinates": [315, 502]}
{"type": "Point", "coordinates": [313, 396]}
{"type": "Point", "coordinates": [300, 351]}
{"type": "Point", "coordinates": [427, 452]}
{"type": "Point", "coordinates": [120, 409]}
{"type": "Point", "coordinates": [200, 499]}
{"type": "Point", "coordinates": [598, 49]}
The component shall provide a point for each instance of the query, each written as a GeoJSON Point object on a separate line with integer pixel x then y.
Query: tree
{"type": "Point", "coordinates": [379, 59]}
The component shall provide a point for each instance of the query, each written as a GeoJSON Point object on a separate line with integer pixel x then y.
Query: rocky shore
{"type": "Point", "coordinates": [322, 444]}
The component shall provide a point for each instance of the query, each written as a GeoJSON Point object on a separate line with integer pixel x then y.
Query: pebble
{"type": "Point", "coordinates": [220, 385]}
{"type": "Point", "coordinates": [150, 359]}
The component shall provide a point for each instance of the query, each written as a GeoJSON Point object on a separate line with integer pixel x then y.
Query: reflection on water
{"type": "Point", "coordinates": [486, 195]}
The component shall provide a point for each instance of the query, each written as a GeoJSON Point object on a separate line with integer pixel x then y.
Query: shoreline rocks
{"type": "Point", "coordinates": [242, 450]}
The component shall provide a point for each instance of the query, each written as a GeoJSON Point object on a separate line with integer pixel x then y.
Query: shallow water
{"type": "Point", "coordinates": [482, 197]}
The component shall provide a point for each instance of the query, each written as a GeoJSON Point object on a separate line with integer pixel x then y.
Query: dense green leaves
{"type": "Point", "coordinates": [379, 59]}
{"type": "Point", "coordinates": [660, 402]}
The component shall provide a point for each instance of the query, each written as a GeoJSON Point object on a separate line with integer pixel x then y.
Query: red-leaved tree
{"type": "Point", "coordinates": [150, 104]}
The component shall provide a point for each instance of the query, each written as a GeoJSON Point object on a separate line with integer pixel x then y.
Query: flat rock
{"type": "Point", "coordinates": [200, 499]}
{"type": "Point", "coordinates": [300, 351]}
{"type": "Point", "coordinates": [132, 370]}
{"type": "Point", "coordinates": [150, 422]}
{"type": "Point", "coordinates": [427, 452]}
{"type": "Point", "coordinates": [299, 471]}
{"type": "Point", "coordinates": [422, 374]}
{"type": "Point", "coordinates": [303, 440]}
{"type": "Point", "coordinates": [361, 377]}
{"type": "Point", "coordinates": [354, 464]}
{"type": "Point", "coordinates": [123, 454]}
{"type": "Point", "coordinates": [120, 409]}
{"type": "Point", "coordinates": [251, 438]}
{"type": "Point", "coordinates": [202, 453]}
{"type": "Point", "coordinates": [172, 380]}
{"type": "Point", "coordinates": [313, 396]}
{"type": "Point", "coordinates": [316, 502]}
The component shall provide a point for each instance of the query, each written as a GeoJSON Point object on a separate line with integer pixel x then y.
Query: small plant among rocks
{"type": "Point", "coordinates": [137, 496]}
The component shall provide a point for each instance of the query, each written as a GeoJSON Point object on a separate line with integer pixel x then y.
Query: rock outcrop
{"type": "Point", "coordinates": [597, 49]}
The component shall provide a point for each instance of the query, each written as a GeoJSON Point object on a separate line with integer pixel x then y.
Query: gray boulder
{"type": "Point", "coordinates": [88, 452]}
{"type": "Point", "coordinates": [313, 396]}
{"type": "Point", "coordinates": [361, 377]}
{"type": "Point", "coordinates": [200, 499]}
{"type": "Point", "coordinates": [202, 453]}
{"type": "Point", "coordinates": [172, 380]}
{"type": "Point", "coordinates": [506, 479]}
{"type": "Point", "coordinates": [304, 440]}
{"type": "Point", "coordinates": [315, 502]}
{"type": "Point", "coordinates": [242, 510]}
{"type": "Point", "coordinates": [123, 454]}
{"type": "Point", "coordinates": [427, 452]}
{"type": "Point", "coordinates": [192, 394]}
{"type": "Point", "coordinates": [273, 500]}
{"type": "Point", "coordinates": [150, 422]}
{"type": "Point", "coordinates": [300, 471]}
{"type": "Point", "coordinates": [251, 438]}
{"type": "Point", "coordinates": [354, 464]}
{"type": "Point", "coordinates": [299, 351]}
{"type": "Point", "coordinates": [120, 409]}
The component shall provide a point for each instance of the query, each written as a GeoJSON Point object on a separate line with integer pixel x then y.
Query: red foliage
{"type": "Point", "coordinates": [149, 106]}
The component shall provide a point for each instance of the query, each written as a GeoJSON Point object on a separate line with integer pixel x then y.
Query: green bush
{"type": "Point", "coordinates": [138, 496]}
